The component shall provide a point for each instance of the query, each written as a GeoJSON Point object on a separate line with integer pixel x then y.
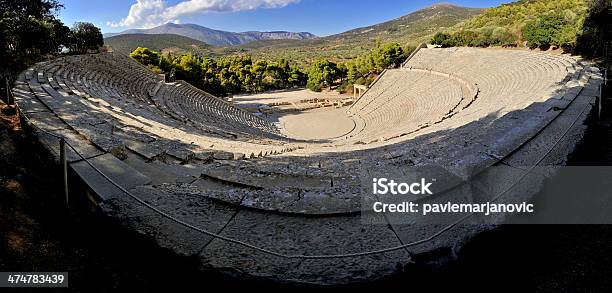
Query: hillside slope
{"type": "Point", "coordinates": [535, 23]}
{"type": "Point", "coordinates": [410, 29]}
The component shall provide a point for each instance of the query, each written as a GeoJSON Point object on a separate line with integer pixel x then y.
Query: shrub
{"type": "Point", "coordinates": [543, 31]}
{"type": "Point", "coordinates": [441, 39]}
{"type": "Point", "coordinates": [343, 88]}
{"type": "Point", "coordinates": [536, 22]}
{"type": "Point", "coordinates": [503, 37]}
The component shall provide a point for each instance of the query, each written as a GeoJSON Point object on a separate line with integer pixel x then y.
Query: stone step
{"type": "Point", "coordinates": [118, 171]}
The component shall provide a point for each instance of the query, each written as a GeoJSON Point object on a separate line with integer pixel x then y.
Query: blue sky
{"type": "Point", "coordinates": [321, 17]}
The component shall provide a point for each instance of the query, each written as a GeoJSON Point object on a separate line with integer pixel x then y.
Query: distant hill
{"type": "Point", "coordinates": [216, 37]}
{"type": "Point", "coordinates": [516, 14]}
{"type": "Point", "coordinates": [410, 29]}
{"type": "Point", "coordinates": [166, 43]}
{"type": "Point", "coordinates": [413, 27]}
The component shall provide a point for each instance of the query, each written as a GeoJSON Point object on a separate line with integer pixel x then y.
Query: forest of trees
{"type": "Point", "coordinates": [241, 74]}
{"type": "Point", "coordinates": [29, 30]}
{"type": "Point", "coordinates": [362, 70]}
{"type": "Point", "coordinates": [223, 76]}
{"type": "Point", "coordinates": [540, 23]}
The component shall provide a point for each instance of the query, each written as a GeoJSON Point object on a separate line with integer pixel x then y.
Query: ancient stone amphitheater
{"type": "Point", "coordinates": [208, 180]}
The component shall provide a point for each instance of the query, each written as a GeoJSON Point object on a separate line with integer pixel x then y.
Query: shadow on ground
{"type": "Point", "coordinates": [38, 234]}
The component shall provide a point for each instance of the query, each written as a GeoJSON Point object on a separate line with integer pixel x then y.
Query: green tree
{"type": "Point", "coordinates": [352, 72]}
{"type": "Point", "coordinates": [189, 65]}
{"type": "Point", "coordinates": [323, 73]}
{"type": "Point", "coordinates": [221, 76]}
{"type": "Point", "coordinates": [591, 41]}
{"type": "Point", "coordinates": [365, 68]}
{"type": "Point", "coordinates": [146, 56]}
{"type": "Point", "coordinates": [259, 71]}
{"type": "Point", "coordinates": [86, 36]}
{"type": "Point", "coordinates": [29, 29]}
{"type": "Point", "coordinates": [388, 55]}
{"type": "Point", "coordinates": [62, 35]}
{"type": "Point", "coordinates": [165, 62]}
{"type": "Point", "coordinates": [297, 77]}
{"type": "Point", "coordinates": [543, 31]}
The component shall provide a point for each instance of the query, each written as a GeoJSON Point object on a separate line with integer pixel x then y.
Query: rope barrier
{"type": "Point", "coordinates": [301, 256]}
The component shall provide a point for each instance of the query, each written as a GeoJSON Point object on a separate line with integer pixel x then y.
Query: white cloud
{"type": "Point", "coordinates": [150, 13]}
{"type": "Point", "coordinates": [144, 13]}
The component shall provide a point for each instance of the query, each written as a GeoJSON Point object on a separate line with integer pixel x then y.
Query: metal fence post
{"type": "Point", "coordinates": [599, 102]}
{"type": "Point", "coordinates": [8, 91]}
{"type": "Point", "coordinates": [64, 164]}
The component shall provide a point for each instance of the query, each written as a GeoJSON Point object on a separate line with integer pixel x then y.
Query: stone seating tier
{"type": "Point", "coordinates": [197, 158]}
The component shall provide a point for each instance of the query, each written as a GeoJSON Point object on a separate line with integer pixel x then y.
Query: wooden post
{"type": "Point", "coordinates": [64, 165]}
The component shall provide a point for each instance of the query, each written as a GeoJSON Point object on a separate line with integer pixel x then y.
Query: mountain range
{"type": "Point", "coordinates": [408, 30]}
{"type": "Point", "coordinates": [165, 43]}
{"type": "Point", "coordinates": [215, 37]}
{"type": "Point", "coordinates": [302, 48]}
